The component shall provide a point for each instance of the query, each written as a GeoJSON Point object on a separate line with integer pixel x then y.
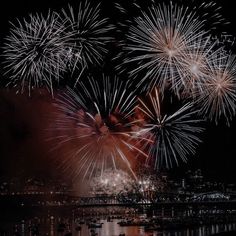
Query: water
{"type": "Point", "coordinates": [48, 222]}
{"type": "Point", "coordinates": [49, 227]}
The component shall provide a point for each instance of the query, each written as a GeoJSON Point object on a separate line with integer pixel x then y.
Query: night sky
{"type": "Point", "coordinates": [24, 149]}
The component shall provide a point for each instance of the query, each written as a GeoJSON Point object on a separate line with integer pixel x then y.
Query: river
{"type": "Point", "coordinates": [48, 226]}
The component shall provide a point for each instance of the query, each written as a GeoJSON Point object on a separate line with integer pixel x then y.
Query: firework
{"type": "Point", "coordinates": [112, 182]}
{"type": "Point", "coordinates": [219, 96]}
{"type": "Point", "coordinates": [194, 67]}
{"type": "Point", "coordinates": [208, 12]}
{"type": "Point", "coordinates": [173, 136]}
{"type": "Point", "coordinates": [88, 34]}
{"type": "Point", "coordinates": [159, 40]}
{"type": "Point", "coordinates": [35, 52]}
{"type": "Point", "coordinates": [97, 119]}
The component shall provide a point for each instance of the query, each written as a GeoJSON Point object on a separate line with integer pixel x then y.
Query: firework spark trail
{"type": "Point", "coordinates": [35, 51]}
{"type": "Point", "coordinates": [194, 67]}
{"type": "Point", "coordinates": [98, 120]}
{"type": "Point", "coordinates": [89, 34]}
{"type": "Point", "coordinates": [219, 96]}
{"type": "Point", "coordinates": [158, 40]}
{"type": "Point", "coordinates": [174, 136]}
{"type": "Point", "coordinates": [208, 11]}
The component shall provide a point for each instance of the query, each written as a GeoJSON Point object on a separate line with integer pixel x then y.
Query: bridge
{"type": "Point", "coordinates": [210, 199]}
{"type": "Point", "coordinates": [158, 200]}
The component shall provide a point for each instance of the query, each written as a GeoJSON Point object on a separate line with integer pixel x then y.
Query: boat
{"type": "Point", "coordinates": [95, 225]}
{"type": "Point", "coordinates": [134, 223]}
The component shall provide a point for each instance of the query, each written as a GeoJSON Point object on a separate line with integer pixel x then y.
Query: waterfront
{"type": "Point", "coordinates": [48, 222]}
{"type": "Point", "coordinates": [189, 207]}
{"type": "Point", "coordinates": [49, 227]}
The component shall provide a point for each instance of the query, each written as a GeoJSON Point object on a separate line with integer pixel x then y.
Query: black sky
{"type": "Point", "coordinates": [22, 119]}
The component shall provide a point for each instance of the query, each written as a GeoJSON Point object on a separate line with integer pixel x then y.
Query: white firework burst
{"type": "Point", "coordinates": [111, 182]}
{"type": "Point", "coordinates": [218, 99]}
{"type": "Point", "coordinates": [194, 67]}
{"type": "Point", "coordinates": [158, 40]}
{"type": "Point", "coordinates": [89, 34]}
{"type": "Point", "coordinates": [173, 136]}
{"type": "Point", "coordinates": [35, 52]}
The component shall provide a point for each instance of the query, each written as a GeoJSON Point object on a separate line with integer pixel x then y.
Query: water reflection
{"type": "Point", "coordinates": [50, 227]}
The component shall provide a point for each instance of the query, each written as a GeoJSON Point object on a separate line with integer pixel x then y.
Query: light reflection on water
{"type": "Point", "coordinates": [48, 227]}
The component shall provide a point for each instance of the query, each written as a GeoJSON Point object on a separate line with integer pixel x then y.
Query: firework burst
{"type": "Point", "coordinates": [173, 136]}
{"type": "Point", "coordinates": [219, 96]}
{"type": "Point", "coordinates": [194, 67]}
{"type": "Point", "coordinates": [112, 182]}
{"type": "Point", "coordinates": [98, 121]}
{"type": "Point", "coordinates": [35, 52]}
{"type": "Point", "coordinates": [158, 40]}
{"type": "Point", "coordinates": [89, 34]}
